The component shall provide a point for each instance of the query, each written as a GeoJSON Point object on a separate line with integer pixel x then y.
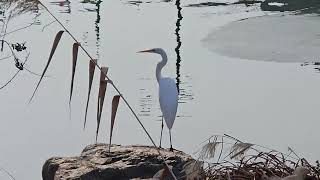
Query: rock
{"type": "Point", "coordinates": [300, 173]}
{"type": "Point", "coordinates": [123, 162]}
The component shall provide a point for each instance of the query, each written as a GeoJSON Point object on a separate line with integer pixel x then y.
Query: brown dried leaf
{"type": "Point", "coordinates": [53, 49]}
{"type": "Point", "coordinates": [115, 104]}
{"type": "Point", "coordinates": [102, 92]}
{"type": "Point", "coordinates": [92, 66]}
{"type": "Point", "coordinates": [75, 48]}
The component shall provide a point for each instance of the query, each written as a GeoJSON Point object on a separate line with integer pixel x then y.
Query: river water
{"type": "Point", "coordinates": [217, 54]}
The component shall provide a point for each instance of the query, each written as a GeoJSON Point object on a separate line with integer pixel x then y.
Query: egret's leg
{"type": "Point", "coordinates": [171, 149]}
{"type": "Point", "coordinates": [161, 132]}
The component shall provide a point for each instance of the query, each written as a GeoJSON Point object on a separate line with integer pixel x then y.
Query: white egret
{"type": "Point", "coordinates": [168, 93]}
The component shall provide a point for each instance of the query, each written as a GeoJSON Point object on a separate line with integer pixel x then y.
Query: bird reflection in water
{"type": "Point", "coordinates": [178, 38]}
{"type": "Point", "coordinates": [185, 94]}
{"type": "Point", "coordinates": [97, 28]}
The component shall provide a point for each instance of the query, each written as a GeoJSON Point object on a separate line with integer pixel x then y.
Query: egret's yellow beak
{"type": "Point", "coordinates": [145, 51]}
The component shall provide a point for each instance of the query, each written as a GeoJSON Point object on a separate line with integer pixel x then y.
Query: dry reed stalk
{"type": "Point", "coordinates": [258, 165]}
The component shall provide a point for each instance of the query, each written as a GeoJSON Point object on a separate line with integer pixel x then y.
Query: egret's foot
{"type": "Point", "coordinates": [171, 149]}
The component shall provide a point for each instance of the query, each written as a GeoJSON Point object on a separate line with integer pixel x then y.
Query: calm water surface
{"type": "Point", "coordinates": [269, 103]}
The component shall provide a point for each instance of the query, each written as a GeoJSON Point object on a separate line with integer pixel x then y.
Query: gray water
{"type": "Point", "coordinates": [269, 103]}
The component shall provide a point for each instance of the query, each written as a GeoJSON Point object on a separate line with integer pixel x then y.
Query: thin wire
{"type": "Point", "coordinates": [33, 73]}
{"type": "Point", "coordinates": [118, 91]}
{"type": "Point", "coordinates": [10, 79]}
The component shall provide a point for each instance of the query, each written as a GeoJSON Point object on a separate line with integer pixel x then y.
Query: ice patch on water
{"type": "Point", "coordinates": [281, 38]}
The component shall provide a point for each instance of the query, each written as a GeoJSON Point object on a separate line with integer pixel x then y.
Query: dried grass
{"type": "Point", "coordinates": [245, 161]}
{"type": "Point", "coordinates": [18, 7]}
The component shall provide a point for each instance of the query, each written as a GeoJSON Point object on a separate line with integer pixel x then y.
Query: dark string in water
{"type": "Point", "coordinates": [97, 28]}
{"type": "Point", "coordinates": [178, 38]}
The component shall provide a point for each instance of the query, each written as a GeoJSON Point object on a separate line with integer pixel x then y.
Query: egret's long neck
{"type": "Point", "coordinates": [160, 65]}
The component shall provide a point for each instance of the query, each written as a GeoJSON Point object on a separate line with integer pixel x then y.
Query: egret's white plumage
{"type": "Point", "coordinates": [168, 92]}
{"type": "Point", "coordinates": [168, 98]}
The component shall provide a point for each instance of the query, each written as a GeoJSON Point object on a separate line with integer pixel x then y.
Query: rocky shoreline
{"type": "Point", "coordinates": [122, 162]}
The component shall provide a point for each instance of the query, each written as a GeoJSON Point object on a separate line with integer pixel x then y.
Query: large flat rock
{"type": "Point", "coordinates": [123, 162]}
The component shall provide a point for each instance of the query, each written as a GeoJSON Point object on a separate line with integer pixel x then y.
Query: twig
{"type": "Point", "coordinates": [5, 30]}
{"type": "Point", "coordinates": [292, 151]}
{"type": "Point", "coordinates": [221, 150]}
{"type": "Point", "coordinates": [12, 53]}
{"type": "Point", "coordinates": [15, 73]}
{"type": "Point", "coordinates": [19, 29]}
{"type": "Point", "coordinates": [45, 26]}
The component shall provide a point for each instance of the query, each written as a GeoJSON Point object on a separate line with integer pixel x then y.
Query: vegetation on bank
{"type": "Point", "coordinates": [225, 157]}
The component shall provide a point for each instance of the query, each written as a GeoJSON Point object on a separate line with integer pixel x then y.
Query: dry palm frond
{"type": "Point", "coordinates": [101, 95]}
{"type": "Point", "coordinates": [92, 66]}
{"type": "Point", "coordinates": [75, 48]}
{"type": "Point", "coordinates": [115, 104]}
{"type": "Point", "coordinates": [53, 49]}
